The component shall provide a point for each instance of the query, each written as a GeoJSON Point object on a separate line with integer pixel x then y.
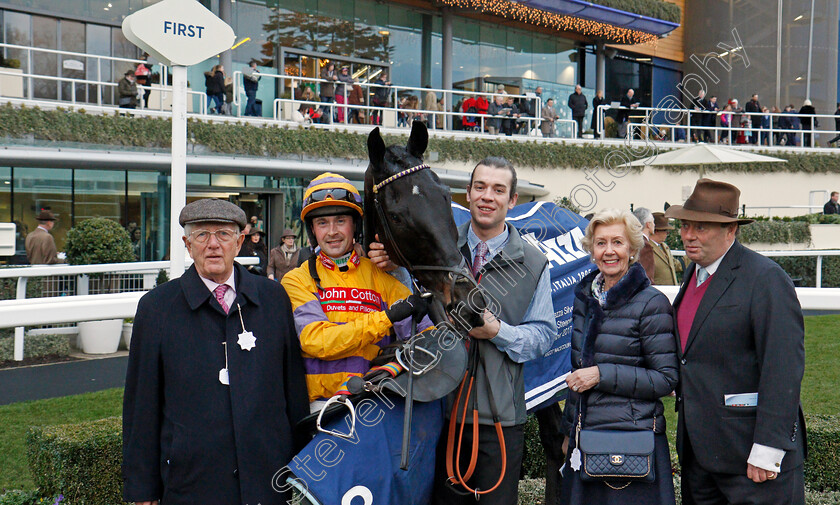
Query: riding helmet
{"type": "Point", "coordinates": [331, 194]}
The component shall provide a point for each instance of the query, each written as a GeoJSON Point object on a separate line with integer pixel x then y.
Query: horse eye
{"type": "Point", "coordinates": [394, 217]}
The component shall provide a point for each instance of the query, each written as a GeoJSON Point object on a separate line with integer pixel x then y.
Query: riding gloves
{"type": "Point", "coordinates": [414, 305]}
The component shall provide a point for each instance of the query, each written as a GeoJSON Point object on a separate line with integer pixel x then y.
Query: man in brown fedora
{"type": "Point", "coordinates": [741, 434]}
{"type": "Point", "coordinates": [664, 264]}
{"type": "Point", "coordinates": [40, 245]}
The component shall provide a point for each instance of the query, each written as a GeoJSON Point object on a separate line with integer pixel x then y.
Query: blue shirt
{"type": "Point", "coordinates": [532, 337]}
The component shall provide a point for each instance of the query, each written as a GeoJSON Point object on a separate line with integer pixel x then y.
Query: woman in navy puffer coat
{"type": "Point", "coordinates": [623, 359]}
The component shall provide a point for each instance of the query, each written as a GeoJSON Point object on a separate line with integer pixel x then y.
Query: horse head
{"type": "Point", "coordinates": [412, 214]}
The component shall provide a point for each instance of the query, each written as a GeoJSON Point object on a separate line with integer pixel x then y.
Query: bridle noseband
{"type": "Point", "coordinates": [455, 272]}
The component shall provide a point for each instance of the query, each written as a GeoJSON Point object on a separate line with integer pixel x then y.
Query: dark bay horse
{"type": "Point", "coordinates": [410, 209]}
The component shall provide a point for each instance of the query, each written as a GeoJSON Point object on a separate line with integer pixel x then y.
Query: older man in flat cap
{"type": "Point", "coordinates": [40, 245]}
{"type": "Point", "coordinates": [741, 434]}
{"type": "Point", "coordinates": [215, 378]}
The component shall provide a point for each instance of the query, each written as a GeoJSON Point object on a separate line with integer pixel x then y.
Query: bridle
{"type": "Point", "coordinates": [455, 272]}
{"type": "Point", "coordinates": [453, 456]}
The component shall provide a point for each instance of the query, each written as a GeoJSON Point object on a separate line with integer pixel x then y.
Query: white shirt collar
{"type": "Point", "coordinates": [212, 285]}
{"type": "Point", "coordinates": [715, 264]}
{"type": "Point", "coordinates": [41, 227]}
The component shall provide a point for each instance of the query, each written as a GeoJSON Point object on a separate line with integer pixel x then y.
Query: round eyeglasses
{"type": "Point", "coordinates": [223, 235]}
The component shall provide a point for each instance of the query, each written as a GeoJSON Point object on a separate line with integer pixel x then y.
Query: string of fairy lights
{"type": "Point", "coordinates": [530, 15]}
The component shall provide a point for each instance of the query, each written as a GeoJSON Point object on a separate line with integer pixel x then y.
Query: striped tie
{"type": "Point", "coordinates": [220, 291]}
{"type": "Point", "coordinates": [702, 275]}
{"type": "Point", "coordinates": [480, 260]}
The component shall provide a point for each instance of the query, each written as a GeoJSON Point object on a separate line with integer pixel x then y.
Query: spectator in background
{"type": "Point", "coordinates": [430, 103]}
{"type": "Point", "coordinates": [596, 102]}
{"type": "Point", "coordinates": [808, 122]}
{"type": "Point", "coordinates": [836, 125]}
{"type": "Point", "coordinates": [127, 91]}
{"type": "Point", "coordinates": [412, 103]}
{"type": "Point", "coordinates": [142, 75]}
{"type": "Point", "coordinates": [381, 92]}
{"type": "Point", "coordinates": [795, 125]}
{"type": "Point", "coordinates": [627, 103]}
{"type": "Point", "coordinates": [578, 104]}
{"type": "Point", "coordinates": [645, 254]}
{"type": "Point", "coordinates": [510, 124]}
{"type": "Point", "coordinates": [214, 83]}
{"type": "Point", "coordinates": [777, 125]}
{"type": "Point", "coordinates": [136, 242]}
{"type": "Point", "coordinates": [40, 245]}
{"type": "Point", "coordinates": [341, 91]}
{"type": "Point", "coordinates": [255, 246]}
{"type": "Point", "coordinates": [549, 116]}
{"type": "Point", "coordinates": [356, 97]}
{"type": "Point", "coordinates": [327, 93]}
{"type": "Point", "coordinates": [665, 266]}
{"type": "Point", "coordinates": [252, 82]}
{"type": "Point", "coordinates": [766, 120]}
{"type": "Point", "coordinates": [227, 109]}
{"type": "Point", "coordinates": [284, 257]}
{"type": "Point", "coordinates": [726, 122]}
{"type": "Point", "coordinates": [494, 124]}
{"type": "Point", "coordinates": [753, 107]}
{"type": "Point", "coordinates": [710, 119]}
{"type": "Point", "coordinates": [831, 206]}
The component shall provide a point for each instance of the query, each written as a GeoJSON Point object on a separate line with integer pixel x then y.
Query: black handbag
{"type": "Point", "coordinates": [614, 455]}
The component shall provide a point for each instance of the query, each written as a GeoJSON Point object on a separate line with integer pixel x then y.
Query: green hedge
{"type": "Point", "coordinates": [651, 8]}
{"type": "Point", "coordinates": [80, 461]}
{"type": "Point", "coordinates": [822, 467]}
{"type": "Point", "coordinates": [273, 141]}
{"type": "Point", "coordinates": [35, 346]}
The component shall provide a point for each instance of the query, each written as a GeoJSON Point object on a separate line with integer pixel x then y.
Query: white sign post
{"type": "Point", "coordinates": [178, 33]}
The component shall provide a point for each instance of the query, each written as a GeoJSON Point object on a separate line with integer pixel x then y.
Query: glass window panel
{"type": "Point", "coordinates": [372, 37]}
{"type": "Point", "coordinates": [544, 58]}
{"type": "Point", "coordinates": [198, 179]}
{"type": "Point", "coordinates": [99, 193]}
{"type": "Point", "coordinates": [5, 194]}
{"type": "Point", "coordinates": [227, 180]}
{"type": "Point", "coordinates": [405, 28]}
{"type": "Point", "coordinates": [519, 54]}
{"type": "Point", "coordinates": [337, 29]}
{"type": "Point", "coordinates": [17, 31]}
{"type": "Point", "coordinates": [493, 52]}
{"type": "Point", "coordinates": [45, 35]}
{"type": "Point", "coordinates": [120, 48]}
{"type": "Point", "coordinates": [44, 188]}
{"type": "Point", "coordinates": [465, 68]}
{"type": "Point", "coordinates": [72, 39]}
{"type": "Point", "coordinates": [249, 21]}
{"type": "Point", "coordinates": [147, 209]}
{"type": "Point", "coordinates": [98, 41]}
{"type": "Point", "coordinates": [258, 181]}
{"type": "Point", "coordinates": [566, 69]}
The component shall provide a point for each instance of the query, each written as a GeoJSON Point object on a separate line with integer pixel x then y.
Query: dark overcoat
{"type": "Point", "coordinates": [747, 337]}
{"type": "Point", "coordinates": [187, 438]}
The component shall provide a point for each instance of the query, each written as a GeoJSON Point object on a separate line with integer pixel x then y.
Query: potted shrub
{"type": "Point", "coordinates": [93, 242]}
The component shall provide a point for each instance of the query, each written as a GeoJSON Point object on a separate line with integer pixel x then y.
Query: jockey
{"type": "Point", "coordinates": [345, 308]}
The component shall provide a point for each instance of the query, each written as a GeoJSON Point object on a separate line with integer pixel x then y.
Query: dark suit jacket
{"type": "Point", "coordinates": [747, 336]}
{"type": "Point", "coordinates": [189, 439]}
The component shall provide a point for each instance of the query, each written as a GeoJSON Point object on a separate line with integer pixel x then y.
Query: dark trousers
{"type": "Point", "coordinates": [327, 111]}
{"type": "Point", "coordinates": [579, 121]}
{"type": "Point", "coordinates": [487, 468]}
{"type": "Point", "coordinates": [251, 105]}
{"type": "Point", "coordinates": [702, 487]}
{"type": "Point", "coordinates": [218, 99]}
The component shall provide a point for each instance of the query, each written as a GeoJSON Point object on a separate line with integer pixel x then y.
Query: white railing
{"type": "Point", "coordinates": [809, 298]}
{"type": "Point", "coordinates": [818, 253]}
{"type": "Point", "coordinates": [769, 208]}
{"type": "Point", "coordinates": [78, 305]}
{"type": "Point", "coordinates": [682, 120]}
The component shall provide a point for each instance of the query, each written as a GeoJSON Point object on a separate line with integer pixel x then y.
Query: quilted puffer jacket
{"type": "Point", "coordinates": [631, 340]}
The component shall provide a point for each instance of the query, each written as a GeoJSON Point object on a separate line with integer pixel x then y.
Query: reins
{"type": "Point", "coordinates": [455, 477]}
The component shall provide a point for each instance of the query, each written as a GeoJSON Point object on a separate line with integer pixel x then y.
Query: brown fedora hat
{"type": "Point", "coordinates": [711, 201]}
{"type": "Point", "coordinates": [45, 215]}
{"type": "Point", "coordinates": [660, 222]}
{"type": "Point", "coordinates": [288, 233]}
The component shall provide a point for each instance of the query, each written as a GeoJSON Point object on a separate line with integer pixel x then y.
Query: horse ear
{"type": "Point", "coordinates": [376, 149]}
{"type": "Point", "coordinates": [418, 140]}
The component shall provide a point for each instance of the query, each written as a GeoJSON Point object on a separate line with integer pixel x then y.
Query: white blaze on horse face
{"type": "Point", "coordinates": [415, 190]}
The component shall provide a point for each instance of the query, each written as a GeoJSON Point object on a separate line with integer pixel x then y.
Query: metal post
{"type": "Point", "coordinates": [30, 72]}
{"type": "Point", "coordinates": [819, 271]}
{"type": "Point", "coordinates": [600, 66]}
{"type": "Point", "coordinates": [178, 182]}
{"type": "Point", "coordinates": [446, 60]}
{"type": "Point", "coordinates": [779, 52]}
{"type": "Point", "coordinates": [225, 15]}
{"type": "Point", "coordinates": [810, 53]}
{"type": "Point", "coordinates": [21, 294]}
{"type": "Point", "coordinates": [98, 81]}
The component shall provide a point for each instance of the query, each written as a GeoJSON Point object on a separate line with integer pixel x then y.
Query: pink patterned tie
{"type": "Point", "coordinates": [480, 260]}
{"type": "Point", "coordinates": [220, 291]}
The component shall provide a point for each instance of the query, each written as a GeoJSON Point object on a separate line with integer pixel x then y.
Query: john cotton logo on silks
{"type": "Point", "coordinates": [340, 299]}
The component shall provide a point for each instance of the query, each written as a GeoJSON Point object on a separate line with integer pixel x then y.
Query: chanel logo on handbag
{"type": "Point", "coordinates": [616, 459]}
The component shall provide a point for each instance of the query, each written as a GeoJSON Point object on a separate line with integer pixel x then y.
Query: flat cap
{"type": "Point", "coordinates": [212, 210]}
